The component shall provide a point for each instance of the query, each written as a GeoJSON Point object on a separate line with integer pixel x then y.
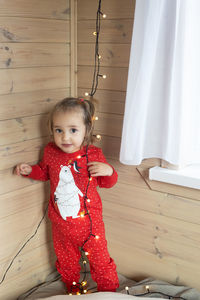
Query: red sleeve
{"type": "Point", "coordinates": [106, 181]}
{"type": "Point", "coordinates": [40, 171]}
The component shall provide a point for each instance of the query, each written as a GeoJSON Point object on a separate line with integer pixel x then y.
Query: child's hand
{"type": "Point", "coordinates": [22, 169]}
{"type": "Point", "coordinates": [97, 168]}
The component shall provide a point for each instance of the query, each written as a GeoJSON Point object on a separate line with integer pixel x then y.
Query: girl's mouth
{"type": "Point", "coordinates": [66, 145]}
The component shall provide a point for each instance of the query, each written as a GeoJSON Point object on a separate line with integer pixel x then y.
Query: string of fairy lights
{"type": "Point", "coordinates": [82, 285]}
{"type": "Point", "coordinates": [98, 57]}
{"type": "Point", "coordinates": [150, 291]}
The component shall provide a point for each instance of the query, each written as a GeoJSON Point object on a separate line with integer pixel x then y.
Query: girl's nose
{"type": "Point", "coordinates": [65, 136]}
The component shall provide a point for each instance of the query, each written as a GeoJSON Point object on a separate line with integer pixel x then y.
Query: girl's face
{"type": "Point", "coordinates": [69, 130]}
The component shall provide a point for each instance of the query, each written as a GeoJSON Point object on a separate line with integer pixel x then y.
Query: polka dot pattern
{"type": "Point", "coordinates": [69, 235]}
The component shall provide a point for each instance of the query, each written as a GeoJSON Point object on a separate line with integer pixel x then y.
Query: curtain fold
{"type": "Point", "coordinates": [162, 110]}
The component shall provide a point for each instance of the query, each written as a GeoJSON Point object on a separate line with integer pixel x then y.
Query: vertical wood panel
{"type": "Point", "coordinates": [34, 75]}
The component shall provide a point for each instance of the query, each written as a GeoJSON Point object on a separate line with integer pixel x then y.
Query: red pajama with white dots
{"type": "Point", "coordinates": [70, 234]}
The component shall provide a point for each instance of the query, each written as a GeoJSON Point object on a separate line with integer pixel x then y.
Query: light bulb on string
{"type": "Point", "coordinates": [98, 136]}
{"type": "Point", "coordinates": [103, 76]}
{"type": "Point", "coordinates": [83, 283]}
{"type": "Point", "coordinates": [103, 15]}
{"type": "Point", "coordinates": [86, 94]}
{"type": "Point", "coordinates": [147, 288]}
{"type": "Point", "coordinates": [127, 289]}
{"type": "Point", "coordinates": [94, 33]}
{"type": "Point", "coordinates": [82, 214]}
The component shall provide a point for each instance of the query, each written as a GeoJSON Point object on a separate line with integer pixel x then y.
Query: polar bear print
{"type": "Point", "coordinates": [67, 194]}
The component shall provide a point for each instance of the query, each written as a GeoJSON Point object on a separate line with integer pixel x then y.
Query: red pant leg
{"type": "Point", "coordinates": [102, 266]}
{"type": "Point", "coordinates": [68, 255]}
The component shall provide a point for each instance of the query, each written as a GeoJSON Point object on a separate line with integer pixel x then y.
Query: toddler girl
{"type": "Point", "coordinates": [75, 168]}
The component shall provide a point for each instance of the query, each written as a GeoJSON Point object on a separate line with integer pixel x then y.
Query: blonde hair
{"type": "Point", "coordinates": [76, 104]}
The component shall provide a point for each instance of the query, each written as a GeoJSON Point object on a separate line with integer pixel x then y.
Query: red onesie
{"type": "Point", "coordinates": [75, 210]}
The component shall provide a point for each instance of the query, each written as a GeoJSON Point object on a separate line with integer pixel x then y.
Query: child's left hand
{"type": "Point", "coordinates": [97, 168]}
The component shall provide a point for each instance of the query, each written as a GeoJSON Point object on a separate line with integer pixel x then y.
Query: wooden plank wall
{"type": "Point", "coordinates": [34, 74]}
{"type": "Point", "coordinates": [152, 228]}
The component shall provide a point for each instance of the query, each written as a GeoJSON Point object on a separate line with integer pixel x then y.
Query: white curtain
{"type": "Point", "coordinates": [162, 111]}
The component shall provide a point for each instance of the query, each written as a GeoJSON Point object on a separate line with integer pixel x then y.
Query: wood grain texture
{"type": "Point", "coordinates": [22, 55]}
{"type": "Point", "coordinates": [30, 103]}
{"type": "Point", "coordinates": [25, 151]}
{"type": "Point", "coordinates": [19, 30]}
{"type": "Point", "coordinates": [137, 248]}
{"type": "Point", "coordinates": [51, 9]}
{"type": "Point", "coordinates": [107, 101]}
{"type": "Point", "coordinates": [109, 124]}
{"type": "Point", "coordinates": [110, 146]}
{"type": "Point", "coordinates": [33, 79]}
{"type": "Point", "coordinates": [112, 31]}
{"type": "Point", "coordinates": [27, 273]}
{"type": "Point", "coordinates": [34, 75]}
{"type": "Point", "coordinates": [112, 55]}
{"type": "Point", "coordinates": [22, 199]}
{"type": "Point", "coordinates": [116, 78]}
{"type": "Point", "coordinates": [22, 129]}
{"type": "Point", "coordinates": [114, 9]}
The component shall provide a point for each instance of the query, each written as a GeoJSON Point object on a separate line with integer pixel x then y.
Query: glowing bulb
{"type": "Point", "coordinates": [86, 94]}
{"type": "Point", "coordinates": [70, 294]}
{"type": "Point", "coordinates": [82, 214]}
{"type": "Point", "coordinates": [84, 262]}
{"type": "Point", "coordinates": [79, 156]}
{"type": "Point", "coordinates": [88, 200]}
{"type": "Point", "coordinates": [104, 16]}
{"type": "Point", "coordinates": [104, 76]}
{"type": "Point", "coordinates": [126, 288]}
{"type": "Point", "coordinates": [86, 253]}
{"type": "Point", "coordinates": [97, 237]}
{"type": "Point", "coordinates": [74, 282]}
{"type": "Point", "coordinates": [90, 179]}
{"type": "Point", "coordinates": [99, 56]}
{"type": "Point", "coordinates": [84, 291]}
{"type": "Point", "coordinates": [98, 136]}
{"type": "Point", "coordinates": [94, 33]}
{"type": "Point", "coordinates": [78, 293]}
{"type": "Point", "coordinates": [147, 288]}
{"type": "Point", "coordinates": [96, 118]}
{"type": "Point", "coordinates": [83, 283]}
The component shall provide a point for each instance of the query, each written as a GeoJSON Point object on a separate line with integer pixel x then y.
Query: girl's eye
{"type": "Point", "coordinates": [73, 130]}
{"type": "Point", "coordinates": [57, 130]}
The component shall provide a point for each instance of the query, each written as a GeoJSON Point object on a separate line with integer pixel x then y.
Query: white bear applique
{"type": "Point", "coordinates": [67, 194]}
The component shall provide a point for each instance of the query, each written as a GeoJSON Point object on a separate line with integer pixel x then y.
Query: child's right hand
{"type": "Point", "coordinates": [22, 169]}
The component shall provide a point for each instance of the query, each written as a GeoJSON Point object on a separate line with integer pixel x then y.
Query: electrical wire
{"type": "Point", "coordinates": [31, 237]}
